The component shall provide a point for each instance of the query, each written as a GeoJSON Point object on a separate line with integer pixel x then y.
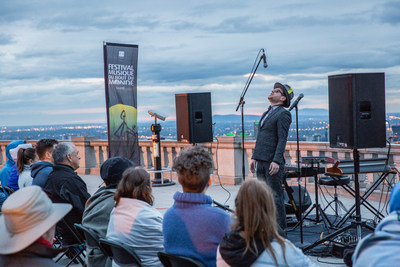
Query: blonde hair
{"type": "Point", "coordinates": [256, 217]}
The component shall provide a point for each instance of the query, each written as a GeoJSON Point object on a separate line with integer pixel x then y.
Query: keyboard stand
{"type": "Point", "coordinates": [320, 215]}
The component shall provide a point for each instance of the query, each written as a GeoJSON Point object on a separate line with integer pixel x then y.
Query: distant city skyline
{"type": "Point", "coordinates": [313, 126]}
{"type": "Point", "coordinates": [51, 57]}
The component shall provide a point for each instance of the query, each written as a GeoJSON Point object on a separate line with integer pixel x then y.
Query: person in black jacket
{"type": "Point", "coordinates": [268, 157]}
{"type": "Point", "coordinates": [65, 186]}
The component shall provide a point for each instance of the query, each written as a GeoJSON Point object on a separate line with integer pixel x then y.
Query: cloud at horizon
{"type": "Point", "coordinates": [51, 56]}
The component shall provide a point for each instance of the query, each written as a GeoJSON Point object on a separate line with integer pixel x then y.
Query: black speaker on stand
{"type": "Point", "coordinates": [357, 109]}
{"type": "Point", "coordinates": [193, 117]}
{"type": "Point", "coordinates": [356, 120]}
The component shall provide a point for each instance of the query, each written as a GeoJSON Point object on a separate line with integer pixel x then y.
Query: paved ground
{"type": "Point", "coordinates": [163, 200]}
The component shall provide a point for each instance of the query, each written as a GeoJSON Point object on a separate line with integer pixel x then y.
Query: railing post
{"type": "Point", "coordinates": [86, 153]}
{"type": "Point", "coordinates": [3, 154]}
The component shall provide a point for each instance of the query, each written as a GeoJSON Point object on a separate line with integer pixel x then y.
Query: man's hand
{"type": "Point", "coordinates": [253, 166]}
{"type": "Point", "coordinates": [273, 168]}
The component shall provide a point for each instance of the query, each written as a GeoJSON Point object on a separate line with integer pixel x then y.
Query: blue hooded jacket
{"type": "Point", "coordinates": [5, 171]}
{"type": "Point", "coordinates": [40, 172]}
{"type": "Point", "coordinates": [13, 178]}
{"type": "Point", "coordinates": [380, 248]}
{"type": "Point", "coordinates": [394, 202]}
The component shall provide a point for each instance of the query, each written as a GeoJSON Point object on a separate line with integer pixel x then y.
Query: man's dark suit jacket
{"type": "Point", "coordinates": [272, 136]}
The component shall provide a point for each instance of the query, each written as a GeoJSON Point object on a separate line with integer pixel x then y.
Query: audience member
{"type": "Point", "coordinates": [380, 248]}
{"type": "Point", "coordinates": [27, 228]}
{"type": "Point", "coordinates": [192, 227]}
{"type": "Point", "coordinates": [65, 186]}
{"type": "Point", "coordinates": [14, 175]}
{"type": "Point", "coordinates": [254, 239]}
{"type": "Point", "coordinates": [26, 156]}
{"type": "Point", "coordinates": [5, 171]}
{"type": "Point", "coordinates": [99, 206]}
{"type": "Point", "coordinates": [42, 169]}
{"type": "Point", "coordinates": [134, 221]}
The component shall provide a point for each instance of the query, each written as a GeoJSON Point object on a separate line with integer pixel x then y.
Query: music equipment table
{"type": "Point", "coordinates": [374, 165]}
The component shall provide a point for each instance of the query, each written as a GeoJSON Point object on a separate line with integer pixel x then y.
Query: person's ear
{"type": "Point", "coordinates": [209, 182]}
{"type": "Point", "coordinates": [48, 155]}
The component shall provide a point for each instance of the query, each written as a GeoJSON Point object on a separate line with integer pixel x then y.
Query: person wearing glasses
{"type": "Point", "coordinates": [268, 157]}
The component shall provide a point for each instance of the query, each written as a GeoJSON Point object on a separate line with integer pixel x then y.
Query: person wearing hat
{"type": "Point", "coordinates": [27, 227]}
{"type": "Point", "coordinates": [268, 157]}
{"type": "Point", "coordinates": [98, 207]}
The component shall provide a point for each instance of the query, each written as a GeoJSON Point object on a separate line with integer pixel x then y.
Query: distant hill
{"type": "Point", "coordinates": [232, 118]}
{"type": "Point", "coordinates": [306, 112]}
{"type": "Point", "coordinates": [312, 112]}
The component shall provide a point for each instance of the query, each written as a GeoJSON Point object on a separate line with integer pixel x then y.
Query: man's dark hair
{"type": "Point", "coordinates": [44, 145]}
{"type": "Point", "coordinates": [193, 167]}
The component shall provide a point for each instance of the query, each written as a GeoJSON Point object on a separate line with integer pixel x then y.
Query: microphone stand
{"type": "Point", "coordinates": [300, 210]}
{"type": "Point", "coordinates": [241, 105]}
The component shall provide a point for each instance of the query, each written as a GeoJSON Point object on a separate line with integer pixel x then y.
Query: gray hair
{"type": "Point", "coordinates": [61, 151]}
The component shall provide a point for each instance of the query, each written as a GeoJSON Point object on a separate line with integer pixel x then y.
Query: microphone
{"type": "Point", "coordinates": [219, 205]}
{"type": "Point", "coordinates": [296, 101]}
{"type": "Point", "coordinates": [265, 60]}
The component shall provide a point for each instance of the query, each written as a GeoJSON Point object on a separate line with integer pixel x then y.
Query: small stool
{"type": "Point", "coordinates": [328, 180]}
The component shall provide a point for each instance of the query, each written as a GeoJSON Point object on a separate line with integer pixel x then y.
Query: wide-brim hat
{"type": "Point", "coordinates": [287, 90]}
{"type": "Point", "coordinates": [26, 215]}
{"type": "Point", "coordinates": [112, 169]}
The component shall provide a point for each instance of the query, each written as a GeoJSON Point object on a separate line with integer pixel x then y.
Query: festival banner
{"type": "Point", "coordinates": [120, 74]}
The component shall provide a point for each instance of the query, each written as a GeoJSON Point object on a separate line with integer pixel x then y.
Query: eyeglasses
{"type": "Point", "coordinates": [277, 91]}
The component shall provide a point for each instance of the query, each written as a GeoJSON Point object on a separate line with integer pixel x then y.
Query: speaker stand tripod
{"type": "Point", "coordinates": [357, 223]}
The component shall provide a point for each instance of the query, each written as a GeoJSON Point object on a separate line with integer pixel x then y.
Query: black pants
{"type": "Point", "coordinates": [275, 182]}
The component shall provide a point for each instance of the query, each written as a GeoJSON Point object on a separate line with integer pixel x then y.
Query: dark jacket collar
{"type": "Point", "coordinates": [63, 167]}
{"type": "Point", "coordinates": [232, 247]}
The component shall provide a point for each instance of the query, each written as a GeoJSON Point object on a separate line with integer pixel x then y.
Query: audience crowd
{"type": "Point", "coordinates": [42, 197]}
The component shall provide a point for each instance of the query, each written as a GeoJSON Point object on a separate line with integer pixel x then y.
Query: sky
{"type": "Point", "coordinates": [52, 69]}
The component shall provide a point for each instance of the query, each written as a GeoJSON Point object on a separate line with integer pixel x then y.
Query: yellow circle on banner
{"type": "Point", "coordinates": [122, 120]}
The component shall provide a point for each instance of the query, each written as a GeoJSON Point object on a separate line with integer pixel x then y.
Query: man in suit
{"type": "Point", "coordinates": [268, 157]}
